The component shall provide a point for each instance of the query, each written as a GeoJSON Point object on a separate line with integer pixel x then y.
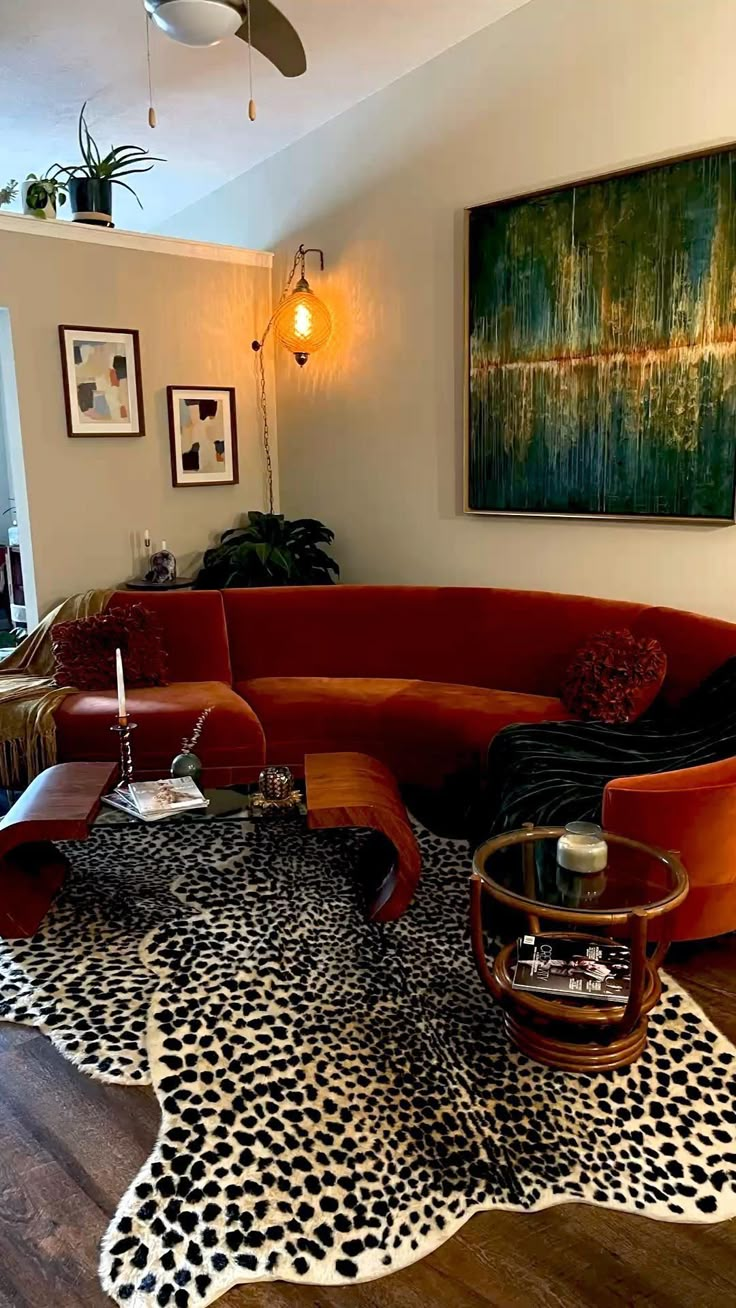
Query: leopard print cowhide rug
{"type": "Point", "coordinates": [337, 1098]}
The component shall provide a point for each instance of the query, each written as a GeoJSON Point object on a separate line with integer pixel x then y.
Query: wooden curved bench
{"type": "Point", "coordinates": [59, 804]}
{"type": "Point", "coordinates": [355, 790]}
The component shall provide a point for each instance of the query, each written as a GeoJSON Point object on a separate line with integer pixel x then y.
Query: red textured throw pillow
{"type": "Point", "coordinates": [614, 677]}
{"type": "Point", "coordinates": [84, 650]}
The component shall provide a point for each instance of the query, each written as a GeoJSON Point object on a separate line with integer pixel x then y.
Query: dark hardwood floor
{"type": "Point", "coordinates": [70, 1146]}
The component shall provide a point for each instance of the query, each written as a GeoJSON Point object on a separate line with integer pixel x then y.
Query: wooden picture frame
{"type": "Point", "coordinates": [579, 401]}
{"type": "Point", "coordinates": [203, 439]}
{"type": "Point", "coordinates": [103, 392]}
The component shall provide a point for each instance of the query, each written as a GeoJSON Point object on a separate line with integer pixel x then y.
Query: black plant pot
{"type": "Point", "coordinates": [91, 201]}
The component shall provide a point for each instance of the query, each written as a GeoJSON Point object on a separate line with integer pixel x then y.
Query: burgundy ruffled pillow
{"type": "Point", "coordinates": [614, 677]}
{"type": "Point", "coordinates": [84, 650]}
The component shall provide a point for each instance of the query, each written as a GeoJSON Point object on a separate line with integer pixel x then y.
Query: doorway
{"type": "Point", "coordinates": [18, 608]}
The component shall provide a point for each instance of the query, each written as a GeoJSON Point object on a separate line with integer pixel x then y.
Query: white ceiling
{"type": "Point", "coordinates": [56, 53]}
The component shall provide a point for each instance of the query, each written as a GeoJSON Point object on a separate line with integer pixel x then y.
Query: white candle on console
{"type": "Point", "coordinates": [122, 710]}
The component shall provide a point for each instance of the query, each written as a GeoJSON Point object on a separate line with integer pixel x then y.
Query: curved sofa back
{"type": "Point", "coordinates": [694, 645]}
{"type": "Point", "coordinates": [194, 631]}
{"type": "Point", "coordinates": [504, 639]}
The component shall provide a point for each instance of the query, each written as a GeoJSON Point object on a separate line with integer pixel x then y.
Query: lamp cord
{"type": "Point", "coordinates": [262, 399]}
{"type": "Point", "coordinates": [266, 433]}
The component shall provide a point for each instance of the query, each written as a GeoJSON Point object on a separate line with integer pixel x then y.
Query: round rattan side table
{"type": "Point", "coordinates": [519, 870]}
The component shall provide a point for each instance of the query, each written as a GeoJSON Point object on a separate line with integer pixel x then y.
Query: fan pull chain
{"type": "Point", "coordinates": [251, 102]}
{"type": "Point", "coordinates": [151, 110]}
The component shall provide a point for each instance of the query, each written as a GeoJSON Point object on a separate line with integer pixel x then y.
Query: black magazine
{"type": "Point", "coordinates": [585, 968]}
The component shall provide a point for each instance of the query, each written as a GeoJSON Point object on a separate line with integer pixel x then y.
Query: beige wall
{"type": "Point", "coordinates": [371, 430]}
{"type": "Point", "coordinates": [90, 499]}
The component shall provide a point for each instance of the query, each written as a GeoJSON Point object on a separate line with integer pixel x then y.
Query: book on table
{"type": "Point", "coordinates": [584, 968]}
{"type": "Point", "coordinates": [153, 800]}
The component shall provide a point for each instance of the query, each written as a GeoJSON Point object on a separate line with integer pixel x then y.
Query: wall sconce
{"type": "Point", "coordinates": [300, 320]}
{"type": "Point", "coordinates": [302, 323]}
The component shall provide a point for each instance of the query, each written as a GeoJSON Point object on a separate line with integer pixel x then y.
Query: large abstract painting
{"type": "Point", "coordinates": [102, 381]}
{"type": "Point", "coordinates": [602, 346]}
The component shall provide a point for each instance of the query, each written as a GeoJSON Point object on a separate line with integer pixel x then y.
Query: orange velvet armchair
{"type": "Point", "coordinates": [692, 811]}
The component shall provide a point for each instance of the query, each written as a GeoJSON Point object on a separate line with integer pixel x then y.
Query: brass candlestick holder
{"type": "Point", "coordinates": [123, 727]}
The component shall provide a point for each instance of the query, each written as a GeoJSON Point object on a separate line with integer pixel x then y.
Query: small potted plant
{"type": "Point", "coordinates": [90, 183]}
{"type": "Point", "coordinates": [8, 193]}
{"type": "Point", "coordinates": [43, 195]}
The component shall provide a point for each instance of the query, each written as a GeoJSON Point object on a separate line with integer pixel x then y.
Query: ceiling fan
{"type": "Point", "coordinates": [257, 22]}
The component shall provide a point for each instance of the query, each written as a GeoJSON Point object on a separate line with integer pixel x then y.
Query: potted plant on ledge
{"type": "Point", "coordinates": [90, 183]}
{"type": "Point", "coordinates": [43, 195]}
{"type": "Point", "coordinates": [270, 551]}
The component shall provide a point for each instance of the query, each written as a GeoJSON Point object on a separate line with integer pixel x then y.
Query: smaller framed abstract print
{"type": "Point", "coordinates": [203, 434]}
{"type": "Point", "coordinates": [102, 381]}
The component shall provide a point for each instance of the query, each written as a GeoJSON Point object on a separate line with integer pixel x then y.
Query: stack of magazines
{"type": "Point", "coordinates": [574, 969]}
{"type": "Point", "coordinates": [153, 800]}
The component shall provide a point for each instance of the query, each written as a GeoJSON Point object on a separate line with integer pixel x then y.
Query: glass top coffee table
{"type": "Point", "coordinates": [639, 884]}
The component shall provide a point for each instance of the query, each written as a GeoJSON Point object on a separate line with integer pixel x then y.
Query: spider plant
{"type": "Point", "coordinates": [119, 162]}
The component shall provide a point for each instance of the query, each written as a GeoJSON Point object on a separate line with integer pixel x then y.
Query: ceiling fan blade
{"type": "Point", "coordinates": [272, 34]}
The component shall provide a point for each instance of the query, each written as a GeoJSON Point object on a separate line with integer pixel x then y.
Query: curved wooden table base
{"type": "Point", "coordinates": [572, 1038]}
{"type": "Point", "coordinates": [59, 804]}
{"type": "Point", "coordinates": [354, 790]}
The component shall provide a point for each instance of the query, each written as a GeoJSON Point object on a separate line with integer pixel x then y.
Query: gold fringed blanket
{"type": "Point", "coordinates": [29, 696]}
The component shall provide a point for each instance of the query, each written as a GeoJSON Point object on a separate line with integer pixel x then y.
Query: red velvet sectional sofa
{"type": "Point", "coordinates": [422, 678]}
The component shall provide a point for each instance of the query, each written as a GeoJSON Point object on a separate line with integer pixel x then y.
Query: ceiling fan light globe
{"type": "Point", "coordinates": [197, 22]}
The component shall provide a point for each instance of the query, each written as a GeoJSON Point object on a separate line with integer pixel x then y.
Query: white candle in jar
{"type": "Point", "coordinates": [582, 853]}
{"type": "Point", "coordinates": [122, 710]}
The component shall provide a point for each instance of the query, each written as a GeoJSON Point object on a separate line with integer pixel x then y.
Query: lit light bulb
{"type": "Point", "coordinates": [303, 321]}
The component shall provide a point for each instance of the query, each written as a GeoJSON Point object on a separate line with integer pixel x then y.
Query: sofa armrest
{"type": "Point", "coordinates": [691, 811]}
{"type": "Point", "coordinates": [706, 776]}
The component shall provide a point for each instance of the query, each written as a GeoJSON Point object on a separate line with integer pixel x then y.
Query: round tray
{"type": "Point", "coordinates": [139, 583]}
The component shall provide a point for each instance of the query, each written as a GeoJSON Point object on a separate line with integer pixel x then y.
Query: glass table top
{"type": "Point", "coordinates": [225, 801]}
{"type": "Point", "coordinates": [527, 871]}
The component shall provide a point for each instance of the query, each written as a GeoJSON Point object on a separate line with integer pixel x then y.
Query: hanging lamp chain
{"type": "Point", "coordinates": [262, 397]}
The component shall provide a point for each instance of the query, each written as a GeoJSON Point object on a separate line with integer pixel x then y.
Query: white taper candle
{"type": "Point", "coordinates": [122, 710]}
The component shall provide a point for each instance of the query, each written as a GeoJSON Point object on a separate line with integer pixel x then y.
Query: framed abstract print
{"type": "Point", "coordinates": [203, 435]}
{"type": "Point", "coordinates": [601, 346]}
{"type": "Point", "coordinates": [101, 368]}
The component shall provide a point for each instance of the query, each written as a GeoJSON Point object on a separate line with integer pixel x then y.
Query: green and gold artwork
{"type": "Point", "coordinates": [602, 346]}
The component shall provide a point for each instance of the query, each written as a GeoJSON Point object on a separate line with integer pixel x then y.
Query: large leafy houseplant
{"type": "Point", "coordinates": [270, 551]}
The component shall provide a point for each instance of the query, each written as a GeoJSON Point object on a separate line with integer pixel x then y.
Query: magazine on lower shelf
{"type": "Point", "coordinates": [153, 800]}
{"type": "Point", "coordinates": [574, 969]}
